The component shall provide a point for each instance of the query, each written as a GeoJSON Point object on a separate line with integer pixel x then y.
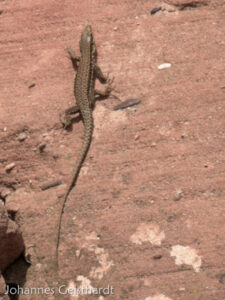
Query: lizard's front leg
{"type": "Point", "coordinates": [73, 58]}
{"type": "Point", "coordinates": [70, 112]}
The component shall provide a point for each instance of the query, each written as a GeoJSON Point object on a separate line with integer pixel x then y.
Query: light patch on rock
{"type": "Point", "coordinates": [85, 285]}
{"type": "Point", "coordinates": [158, 297]}
{"type": "Point", "coordinates": [105, 264]}
{"type": "Point", "coordinates": [148, 233]}
{"type": "Point", "coordinates": [85, 170]}
{"type": "Point", "coordinates": [85, 281]}
{"type": "Point", "coordinates": [186, 255]}
{"type": "Point", "coordinates": [72, 286]}
{"type": "Point", "coordinates": [102, 256]}
{"type": "Point", "coordinates": [84, 288]}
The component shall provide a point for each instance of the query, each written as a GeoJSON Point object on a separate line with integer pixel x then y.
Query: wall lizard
{"type": "Point", "coordinates": [85, 94]}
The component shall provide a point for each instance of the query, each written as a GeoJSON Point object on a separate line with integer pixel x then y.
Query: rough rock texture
{"type": "Point", "coordinates": [3, 296]}
{"type": "Point", "coordinates": [11, 245]}
{"type": "Point", "coordinates": [147, 214]}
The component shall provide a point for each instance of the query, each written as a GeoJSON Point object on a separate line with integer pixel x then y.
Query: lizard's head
{"type": "Point", "coordinates": [87, 38]}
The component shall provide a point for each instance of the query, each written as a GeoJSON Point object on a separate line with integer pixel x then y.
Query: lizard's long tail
{"type": "Point", "coordinates": [88, 130]}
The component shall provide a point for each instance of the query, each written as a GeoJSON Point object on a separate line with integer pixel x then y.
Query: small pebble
{"type": "Point", "coordinates": [157, 256]}
{"type": "Point", "coordinates": [164, 66]}
{"type": "Point", "coordinates": [178, 195]}
{"type": "Point", "coordinates": [42, 146]}
{"type": "Point", "coordinates": [27, 257]}
{"type": "Point", "coordinates": [170, 219]}
{"type": "Point", "coordinates": [50, 184]}
{"type": "Point", "coordinates": [31, 86]}
{"type": "Point", "coordinates": [22, 136]}
{"type": "Point", "coordinates": [155, 10]}
{"type": "Point", "coordinates": [137, 137]}
{"type": "Point", "coordinates": [9, 167]}
{"type": "Point", "coordinates": [4, 193]}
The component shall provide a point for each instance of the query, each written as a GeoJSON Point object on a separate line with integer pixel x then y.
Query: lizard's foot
{"type": "Point", "coordinates": [109, 88]}
{"type": "Point", "coordinates": [109, 82]}
{"type": "Point", "coordinates": [69, 114]}
{"type": "Point", "coordinates": [65, 120]}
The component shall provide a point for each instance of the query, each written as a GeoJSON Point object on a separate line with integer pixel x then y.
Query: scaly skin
{"type": "Point", "coordinates": [87, 72]}
{"type": "Point", "coordinates": [83, 87]}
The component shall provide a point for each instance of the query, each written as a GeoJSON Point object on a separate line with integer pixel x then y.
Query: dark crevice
{"type": "Point", "coordinates": [12, 214]}
{"type": "Point", "coordinates": [15, 277]}
{"type": "Point", "coordinates": [12, 289]}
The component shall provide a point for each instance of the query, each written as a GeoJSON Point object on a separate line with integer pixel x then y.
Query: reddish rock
{"type": "Point", "coordinates": [3, 289]}
{"type": "Point", "coordinates": [125, 182]}
{"type": "Point", "coordinates": [11, 245]}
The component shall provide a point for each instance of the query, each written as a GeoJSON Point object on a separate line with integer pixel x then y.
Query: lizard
{"type": "Point", "coordinates": [84, 92]}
